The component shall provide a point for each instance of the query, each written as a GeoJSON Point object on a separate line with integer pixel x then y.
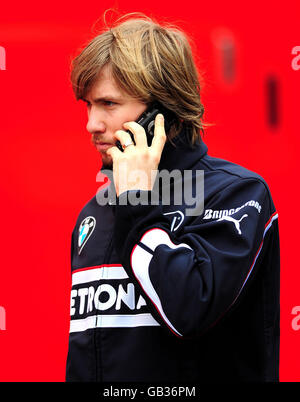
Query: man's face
{"type": "Point", "coordinates": [108, 108]}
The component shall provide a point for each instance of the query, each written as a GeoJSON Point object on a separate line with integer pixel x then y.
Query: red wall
{"type": "Point", "coordinates": [48, 167]}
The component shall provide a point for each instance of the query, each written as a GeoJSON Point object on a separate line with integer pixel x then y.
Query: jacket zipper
{"type": "Point", "coordinates": [99, 376]}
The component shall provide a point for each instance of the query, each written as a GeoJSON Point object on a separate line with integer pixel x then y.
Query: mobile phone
{"type": "Point", "coordinates": [147, 121]}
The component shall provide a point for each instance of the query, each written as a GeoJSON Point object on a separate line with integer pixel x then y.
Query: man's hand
{"type": "Point", "coordinates": [136, 167]}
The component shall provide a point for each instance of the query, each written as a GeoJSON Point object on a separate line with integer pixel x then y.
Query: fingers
{"type": "Point", "coordinates": [123, 137]}
{"type": "Point", "coordinates": [138, 133]}
{"type": "Point", "coordinates": [160, 137]}
{"type": "Point", "coordinates": [113, 151]}
{"type": "Point", "coordinates": [140, 137]}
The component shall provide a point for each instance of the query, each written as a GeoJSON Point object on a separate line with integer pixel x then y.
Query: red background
{"type": "Point", "coordinates": [48, 167]}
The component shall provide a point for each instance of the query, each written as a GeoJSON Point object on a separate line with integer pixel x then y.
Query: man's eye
{"type": "Point", "coordinates": [109, 103]}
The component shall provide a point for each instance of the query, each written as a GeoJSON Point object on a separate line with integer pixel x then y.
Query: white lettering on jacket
{"type": "Point", "coordinates": [217, 214]}
{"type": "Point", "coordinates": [89, 299]}
{"type": "Point", "coordinates": [104, 296]}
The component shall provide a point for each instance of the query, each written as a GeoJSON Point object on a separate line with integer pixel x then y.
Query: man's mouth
{"type": "Point", "coordinates": [102, 146]}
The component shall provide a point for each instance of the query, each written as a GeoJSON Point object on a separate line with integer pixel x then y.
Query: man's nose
{"type": "Point", "coordinates": [95, 122]}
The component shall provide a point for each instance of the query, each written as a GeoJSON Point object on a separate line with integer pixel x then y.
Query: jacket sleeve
{"type": "Point", "coordinates": [193, 276]}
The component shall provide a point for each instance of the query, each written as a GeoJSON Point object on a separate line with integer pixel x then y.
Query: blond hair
{"type": "Point", "coordinates": [150, 62]}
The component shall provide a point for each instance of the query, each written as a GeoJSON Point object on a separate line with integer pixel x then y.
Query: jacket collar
{"type": "Point", "coordinates": [182, 156]}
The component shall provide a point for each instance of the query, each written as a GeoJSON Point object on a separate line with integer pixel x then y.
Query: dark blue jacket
{"type": "Point", "coordinates": [158, 295]}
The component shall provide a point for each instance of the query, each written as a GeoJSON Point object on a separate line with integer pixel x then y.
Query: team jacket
{"type": "Point", "coordinates": [161, 295]}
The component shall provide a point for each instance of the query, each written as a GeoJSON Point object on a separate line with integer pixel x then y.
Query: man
{"type": "Point", "coordinates": [160, 293]}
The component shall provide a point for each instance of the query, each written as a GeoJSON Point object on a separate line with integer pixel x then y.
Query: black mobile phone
{"type": "Point", "coordinates": [147, 120]}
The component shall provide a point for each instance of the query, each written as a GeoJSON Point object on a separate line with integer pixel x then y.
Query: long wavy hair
{"type": "Point", "coordinates": [150, 62]}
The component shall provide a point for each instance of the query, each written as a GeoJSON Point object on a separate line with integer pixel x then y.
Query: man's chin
{"type": "Point", "coordinates": [107, 164]}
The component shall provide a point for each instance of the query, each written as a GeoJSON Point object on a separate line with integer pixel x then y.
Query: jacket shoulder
{"type": "Point", "coordinates": [228, 172]}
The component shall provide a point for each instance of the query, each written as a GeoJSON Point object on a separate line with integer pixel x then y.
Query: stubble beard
{"type": "Point", "coordinates": [106, 164]}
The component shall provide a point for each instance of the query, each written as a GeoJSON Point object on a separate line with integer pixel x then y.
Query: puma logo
{"type": "Point", "coordinates": [234, 221]}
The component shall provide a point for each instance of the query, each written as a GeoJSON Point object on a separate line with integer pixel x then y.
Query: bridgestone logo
{"type": "Point", "coordinates": [217, 214]}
